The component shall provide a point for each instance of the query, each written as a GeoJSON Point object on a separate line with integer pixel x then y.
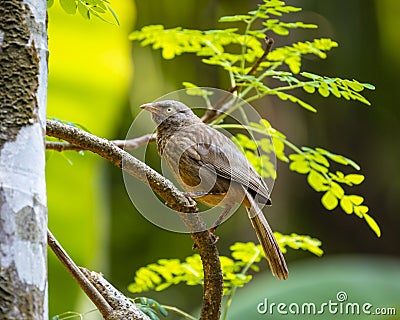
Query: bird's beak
{"type": "Point", "coordinates": [149, 107]}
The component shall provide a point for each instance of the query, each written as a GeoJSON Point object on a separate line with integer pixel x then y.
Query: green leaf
{"type": "Point", "coordinates": [317, 167]}
{"type": "Point", "coordinates": [295, 25]}
{"type": "Point", "coordinates": [101, 4]}
{"type": "Point", "coordinates": [268, 146]}
{"type": "Point", "coordinates": [261, 164]}
{"type": "Point", "coordinates": [323, 90]}
{"type": "Point", "coordinates": [299, 166]}
{"type": "Point", "coordinates": [346, 205]}
{"type": "Point", "coordinates": [163, 286]}
{"type": "Point", "coordinates": [245, 142]}
{"type": "Point", "coordinates": [316, 156]}
{"type": "Point", "coordinates": [329, 200]}
{"type": "Point", "coordinates": [337, 190]}
{"type": "Point", "coordinates": [279, 149]}
{"type": "Point", "coordinates": [306, 106]}
{"type": "Point", "coordinates": [113, 14]}
{"type": "Point", "coordinates": [368, 86]}
{"type": "Point", "coordinates": [69, 6]}
{"type": "Point", "coordinates": [193, 90]}
{"type": "Point", "coordinates": [166, 272]}
{"type": "Point", "coordinates": [162, 310]}
{"type": "Point", "coordinates": [348, 89]}
{"type": "Point", "coordinates": [98, 10]}
{"type": "Point", "coordinates": [361, 210]}
{"type": "Point", "coordinates": [356, 200]}
{"type": "Point", "coordinates": [83, 10]}
{"type": "Point", "coordinates": [279, 30]}
{"type": "Point", "coordinates": [169, 51]}
{"type": "Point", "coordinates": [373, 224]}
{"type": "Point", "coordinates": [355, 85]}
{"type": "Point", "coordinates": [355, 178]}
{"type": "Point", "coordinates": [150, 307]}
{"type": "Point", "coordinates": [309, 88]}
{"type": "Point", "coordinates": [317, 181]}
{"type": "Point", "coordinates": [236, 18]}
{"type": "Point", "coordinates": [285, 96]}
{"type": "Point", "coordinates": [291, 55]}
{"type": "Point", "coordinates": [245, 252]}
{"type": "Point", "coordinates": [311, 75]}
{"type": "Point", "coordinates": [334, 89]}
{"type": "Point", "coordinates": [338, 158]}
{"type": "Point", "coordinates": [296, 242]}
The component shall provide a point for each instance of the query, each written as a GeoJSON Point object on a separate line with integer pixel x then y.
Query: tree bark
{"type": "Point", "coordinates": [23, 211]}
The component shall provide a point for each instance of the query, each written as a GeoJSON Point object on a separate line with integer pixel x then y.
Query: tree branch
{"type": "Point", "coordinates": [130, 144]}
{"type": "Point", "coordinates": [185, 207]}
{"type": "Point", "coordinates": [99, 301]}
{"type": "Point", "coordinates": [213, 113]}
{"type": "Point", "coordinates": [87, 141]}
{"type": "Point", "coordinates": [111, 303]}
{"type": "Point", "coordinates": [123, 307]}
{"type": "Point", "coordinates": [213, 280]}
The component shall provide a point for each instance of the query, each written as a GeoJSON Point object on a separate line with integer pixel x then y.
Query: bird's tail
{"type": "Point", "coordinates": [267, 240]}
{"type": "Point", "coordinates": [270, 246]}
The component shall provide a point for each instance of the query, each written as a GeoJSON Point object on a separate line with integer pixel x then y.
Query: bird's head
{"type": "Point", "coordinates": [174, 112]}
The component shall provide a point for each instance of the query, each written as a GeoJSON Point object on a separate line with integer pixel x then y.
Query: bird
{"type": "Point", "coordinates": [212, 170]}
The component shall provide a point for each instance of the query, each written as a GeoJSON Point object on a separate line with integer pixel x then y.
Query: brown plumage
{"type": "Point", "coordinates": [209, 166]}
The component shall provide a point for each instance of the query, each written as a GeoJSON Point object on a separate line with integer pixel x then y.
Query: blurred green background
{"type": "Point", "coordinates": [97, 78]}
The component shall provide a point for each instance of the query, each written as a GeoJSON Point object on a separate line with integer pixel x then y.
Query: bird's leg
{"type": "Point", "coordinates": [217, 222]}
{"type": "Point", "coordinates": [199, 194]}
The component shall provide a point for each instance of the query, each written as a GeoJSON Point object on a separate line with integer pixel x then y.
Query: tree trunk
{"type": "Point", "coordinates": [23, 212]}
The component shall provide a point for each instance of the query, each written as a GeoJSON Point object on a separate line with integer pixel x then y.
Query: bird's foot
{"type": "Point", "coordinates": [214, 239]}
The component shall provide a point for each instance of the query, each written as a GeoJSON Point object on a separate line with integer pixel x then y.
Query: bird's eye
{"type": "Point", "coordinates": [169, 110]}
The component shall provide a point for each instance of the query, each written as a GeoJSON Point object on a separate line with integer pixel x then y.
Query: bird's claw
{"type": "Point", "coordinates": [192, 203]}
{"type": "Point", "coordinates": [214, 239]}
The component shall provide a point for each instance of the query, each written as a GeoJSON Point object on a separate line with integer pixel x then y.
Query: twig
{"type": "Point", "coordinates": [130, 144]}
{"type": "Point", "coordinates": [213, 113]}
{"type": "Point", "coordinates": [124, 308]}
{"type": "Point", "coordinates": [111, 303]}
{"type": "Point", "coordinates": [100, 302]}
{"type": "Point", "coordinates": [87, 141]}
{"type": "Point", "coordinates": [269, 42]}
{"type": "Point", "coordinates": [179, 312]}
{"type": "Point", "coordinates": [185, 207]}
{"type": "Point", "coordinates": [136, 142]}
{"type": "Point", "coordinates": [62, 146]}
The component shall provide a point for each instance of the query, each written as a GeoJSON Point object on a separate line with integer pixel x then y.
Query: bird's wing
{"type": "Point", "coordinates": [223, 155]}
